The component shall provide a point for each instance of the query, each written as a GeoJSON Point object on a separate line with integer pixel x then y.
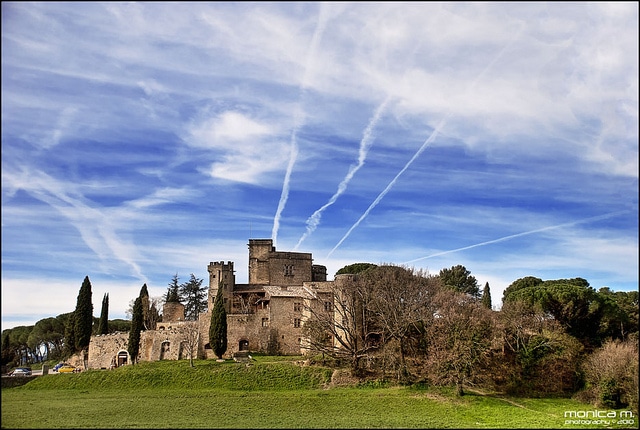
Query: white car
{"type": "Point", "coordinates": [21, 371]}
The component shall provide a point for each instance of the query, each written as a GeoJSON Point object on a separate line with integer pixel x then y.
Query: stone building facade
{"type": "Point", "coordinates": [265, 315]}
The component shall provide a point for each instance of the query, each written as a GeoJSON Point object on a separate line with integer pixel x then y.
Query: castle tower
{"type": "Point", "coordinates": [259, 250]}
{"type": "Point", "coordinates": [221, 275]}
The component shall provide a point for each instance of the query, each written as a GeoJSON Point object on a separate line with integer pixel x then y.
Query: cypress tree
{"type": "Point", "coordinates": [70, 335]}
{"type": "Point", "coordinates": [144, 297]}
{"type": "Point", "coordinates": [486, 296]}
{"type": "Point", "coordinates": [103, 325]}
{"type": "Point", "coordinates": [218, 327]}
{"type": "Point", "coordinates": [83, 316]}
{"type": "Point", "coordinates": [133, 346]}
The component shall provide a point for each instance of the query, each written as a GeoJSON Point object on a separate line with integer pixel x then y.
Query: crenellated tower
{"type": "Point", "coordinates": [222, 275]}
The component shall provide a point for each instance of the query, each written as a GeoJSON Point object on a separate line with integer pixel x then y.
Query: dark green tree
{"type": "Point", "coordinates": [133, 346]}
{"type": "Point", "coordinates": [572, 303]}
{"type": "Point", "coordinates": [355, 268]}
{"type": "Point", "coordinates": [83, 316]}
{"type": "Point", "coordinates": [519, 284]}
{"type": "Point", "coordinates": [103, 325]}
{"type": "Point", "coordinates": [458, 278]}
{"type": "Point", "coordinates": [144, 297]}
{"type": "Point", "coordinates": [194, 296]}
{"type": "Point", "coordinates": [218, 327]}
{"type": "Point", "coordinates": [486, 296]}
{"type": "Point", "coordinates": [173, 292]}
{"type": "Point", "coordinates": [70, 335]}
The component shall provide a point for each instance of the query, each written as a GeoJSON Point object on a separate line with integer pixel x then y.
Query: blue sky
{"type": "Point", "coordinates": [144, 140]}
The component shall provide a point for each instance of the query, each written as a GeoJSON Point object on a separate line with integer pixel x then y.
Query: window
{"type": "Point", "coordinates": [288, 270]}
{"type": "Point", "coordinates": [265, 322]}
{"type": "Point", "coordinates": [297, 306]}
{"type": "Point", "coordinates": [328, 307]}
{"type": "Point", "coordinates": [296, 322]}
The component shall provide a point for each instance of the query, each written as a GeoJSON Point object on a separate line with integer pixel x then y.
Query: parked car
{"type": "Point", "coordinates": [21, 371]}
{"type": "Point", "coordinates": [66, 369]}
{"type": "Point", "coordinates": [58, 366]}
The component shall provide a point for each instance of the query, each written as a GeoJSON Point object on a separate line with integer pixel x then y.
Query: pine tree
{"type": "Point", "coordinates": [133, 346]}
{"type": "Point", "coordinates": [103, 326]}
{"type": "Point", "coordinates": [83, 316]}
{"type": "Point", "coordinates": [218, 327]}
{"type": "Point", "coordinates": [195, 297]}
{"type": "Point", "coordinates": [173, 294]}
{"type": "Point", "coordinates": [486, 296]}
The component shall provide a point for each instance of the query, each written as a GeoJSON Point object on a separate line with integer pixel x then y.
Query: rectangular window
{"type": "Point", "coordinates": [297, 307]}
{"type": "Point", "coordinates": [265, 322]}
{"type": "Point", "coordinates": [296, 322]}
{"type": "Point", "coordinates": [328, 307]}
{"type": "Point", "coordinates": [288, 270]}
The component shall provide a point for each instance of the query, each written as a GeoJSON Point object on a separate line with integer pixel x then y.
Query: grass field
{"type": "Point", "coordinates": [272, 393]}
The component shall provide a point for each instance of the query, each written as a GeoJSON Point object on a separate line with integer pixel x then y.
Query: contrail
{"type": "Point", "coordinates": [365, 144]}
{"type": "Point", "coordinates": [502, 239]}
{"type": "Point", "coordinates": [430, 139]}
{"type": "Point", "coordinates": [391, 184]}
{"type": "Point", "coordinates": [298, 120]}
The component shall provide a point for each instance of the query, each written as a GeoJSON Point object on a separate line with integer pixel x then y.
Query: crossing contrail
{"type": "Point", "coordinates": [298, 121]}
{"type": "Point", "coordinates": [513, 236]}
{"type": "Point", "coordinates": [430, 139]}
{"type": "Point", "coordinates": [365, 144]}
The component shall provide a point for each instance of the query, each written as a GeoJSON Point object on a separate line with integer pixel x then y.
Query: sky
{"type": "Point", "coordinates": [146, 140]}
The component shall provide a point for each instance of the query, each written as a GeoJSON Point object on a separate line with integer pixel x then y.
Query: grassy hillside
{"type": "Point", "coordinates": [262, 374]}
{"type": "Point", "coordinates": [273, 392]}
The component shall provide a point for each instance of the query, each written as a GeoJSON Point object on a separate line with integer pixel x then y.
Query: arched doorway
{"type": "Point", "coordinates": [123, 357]}
{"type": "Point", "coordinates": [164, 349]}
{"type": "Point", "coordinates": [243, 345]}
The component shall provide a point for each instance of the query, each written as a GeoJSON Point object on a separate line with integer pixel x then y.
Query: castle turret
{"type": "Point", "coordinates": [223, 276]}
{"type": "Point", "coordinates": [259, 251]}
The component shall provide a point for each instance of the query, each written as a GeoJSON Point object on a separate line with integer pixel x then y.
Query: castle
{"type": "Point", "coordinates": [266, 315]}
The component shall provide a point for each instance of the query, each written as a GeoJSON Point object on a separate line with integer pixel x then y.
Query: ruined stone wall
{"type": "Point", "coordinates": [104, 348]}
{"type": "Point", "coordinates": [173, 311]}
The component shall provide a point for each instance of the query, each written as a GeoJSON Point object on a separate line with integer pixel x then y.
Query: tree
{"type": "Point", "coordinates": [173, 292]}
{"type": "Point", "coordinates": [191, 339]}
{"type": "Point", "coordinates": [459, 279]}
{"type": "Point", "coordinates": [459, 339]}
{"type": "Point", "coordinates": [83, 316]}
{"type": "Point", "coordinates": [144, 298]}
{"type": "Point", "coordinates": [103, 325]}
{"type": "Point", "coordinates": [575, 305]}
{"type": "Point", "coordinates": [518, 284]}
{"type": "Point", "coordinates": [355, 268]}
{"type": "Point", "coordinates": [341, 324]}
{"type": "Point", "coordinates": [133, 346]}
{"type": "Point", "coordinates": [195, 297]}
{"type": "Point", "coordinates": [486, 296]}
{"type": "Point", "coordinates": [402, 302]}
{"type": "Point", "coordinates": [70, 335]}
{"type": "Point", "coordinates": [218, 327]}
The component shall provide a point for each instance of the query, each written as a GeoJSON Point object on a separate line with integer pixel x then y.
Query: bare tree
{"type": "Point", "coordinates": [339, 322]}
{"type": "Point", "coordinates": [191, 339]}
{"type": "Point", "coordinates": [402, 304]}
{"type": "Point", "coordinates": [459, 338]}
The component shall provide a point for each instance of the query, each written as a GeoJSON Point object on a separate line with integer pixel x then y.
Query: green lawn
{"type": "Point", "coordinates": [265, 395]}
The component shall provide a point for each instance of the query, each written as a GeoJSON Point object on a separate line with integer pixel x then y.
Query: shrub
{"type": "Point", "coordinates": [611, 375]}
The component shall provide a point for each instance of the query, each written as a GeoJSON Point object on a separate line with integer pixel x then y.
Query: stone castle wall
{"type": "Point", "coordinates": [276, 328]}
